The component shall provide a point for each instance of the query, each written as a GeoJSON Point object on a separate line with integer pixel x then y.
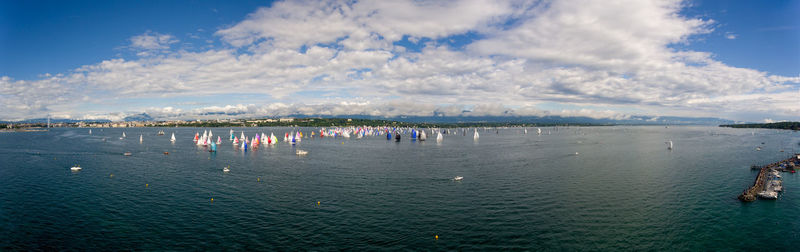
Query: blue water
{"type": "Point", "coordinates": [623, 191]}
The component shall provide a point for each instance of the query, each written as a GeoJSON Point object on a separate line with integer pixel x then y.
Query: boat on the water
{"type": "Point", "coordinates": [458, 178]}
{"type": "Point", "coordinates": [75, 168]}
{"type": "Point", "coordinates": [301, 152]}
{"type": "Point", "coordinates": [226, 169]}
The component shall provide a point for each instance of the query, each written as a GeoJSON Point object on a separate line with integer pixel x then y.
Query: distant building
{"type": "Point", "coordinates": [286, 120]}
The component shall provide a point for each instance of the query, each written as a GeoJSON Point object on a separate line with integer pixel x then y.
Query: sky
{"type": "Point", "coordinates": [737, 60]}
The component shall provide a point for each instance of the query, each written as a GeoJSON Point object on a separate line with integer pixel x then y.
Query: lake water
{"type": "Point", "coordinates": [623, 191]}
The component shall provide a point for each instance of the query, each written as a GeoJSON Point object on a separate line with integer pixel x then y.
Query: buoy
{"type": "Point", "coordinates": [111, 176]}
{"type": "Point", "coordinates": [317, 203]}
{"type": "Point", "coordinates": [259, 179]}
{"type": "Point", "coordinates": [146, 185]}
{"type": "Point", "coordinates": [212, 199]}
{"type": "Point", "coordinates": [436, 237]}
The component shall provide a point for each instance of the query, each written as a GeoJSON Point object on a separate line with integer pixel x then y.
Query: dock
{"type": "Point", "coordinates": [767, 183]}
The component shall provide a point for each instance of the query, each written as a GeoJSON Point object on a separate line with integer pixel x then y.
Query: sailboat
{"type": "Point", "coordinates": [439, 137]}
{"type": "Point", "coordinates": [140, 138]}
{"type": "Point", "coordinates": [123, 135]}
{"type": "Point", "coordinates": [539, 131]}
{"type": "Point", "coordinates": [669, 145]}
{"type": "Point", "coordinates": [476, 135]}
{"type": "Point", "coordinates": [422, 135]}
{"type": "Point", "coordinates": [219, 140]}
{"type": "Point", "coordinates": [90, 131]}
{"type": "Point", "coordinates": [231, 135]}
{"type": "Point", "coordinates": [526, 131]}
{"type": "Point", "coordinates": [172, 139]}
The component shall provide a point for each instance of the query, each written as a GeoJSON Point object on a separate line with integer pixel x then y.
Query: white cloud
{"type": "Point", "coordinates": [729, 35]}
{"type": "Point", "coordinates": [152, 41]}
{"type": "Point", "coordinates": [340, 57]}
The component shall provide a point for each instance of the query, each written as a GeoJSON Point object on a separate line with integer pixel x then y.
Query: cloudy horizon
{"type": "Point", "coordinates": [603, 60]}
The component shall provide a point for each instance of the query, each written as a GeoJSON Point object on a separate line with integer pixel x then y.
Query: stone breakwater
{"type": "Point", "coordinates": [759, 186]}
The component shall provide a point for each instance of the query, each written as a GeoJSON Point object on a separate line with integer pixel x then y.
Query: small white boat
{"type": "Point", "coordinates": [140, 138]}
{"type": "Point", "coordinates": [127, 154]}
{"type": "Point", "coordinates": [75, 168]}
{"type": "Point", "coordinates": [669, 145]}
{"type": "Point", "coordinates": [768, 195]}
{"type": "Point", "coordinates": [301, 152]}
{"type": "Point", "coordinates": [226, 169]}
{"type": "Point", "coordinates": [458, 178]}
{"type": "Point", "coordinates": [172, 139]}
{"type": "Point", "coordinates": [439, 137]}
{"type": "Point", "coordinates": [476, 135]}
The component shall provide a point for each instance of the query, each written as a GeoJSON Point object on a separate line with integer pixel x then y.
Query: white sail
{"type": "Point", "coordinates": [172, 139]}
{"type": "Point", "coordinates": [140, 138]}
{"type": "Point", "coordinates": [90, 131]}
{"type": "Point", "coordinates": [538, 131]}
{"type": "Point", "coordinates": [123, 134]}
{"type": "Point", "coordinates": [423, 135]}
{"type": "Point", "coordinates": [439, 137]}
{"type": "Point", "coordinates": [476, 135]}
{"type": "Point", "coordinates": [669, 145]}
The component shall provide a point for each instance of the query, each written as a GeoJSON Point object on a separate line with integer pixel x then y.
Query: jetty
{"type": "Point", "coordinates": [768, 183]}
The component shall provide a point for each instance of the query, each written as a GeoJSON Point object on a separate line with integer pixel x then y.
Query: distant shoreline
{"type": "Point", "coordinates": [298, 122]}
{"type": "Point", "coordinates": [779, 125]}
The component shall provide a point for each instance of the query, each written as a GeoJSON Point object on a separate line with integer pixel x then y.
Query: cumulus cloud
{"type": "Point", "coordinates": [344, 57]}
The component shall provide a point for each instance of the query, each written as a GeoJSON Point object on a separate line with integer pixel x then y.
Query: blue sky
{"type": "Point", "coordinates": [177, 59]}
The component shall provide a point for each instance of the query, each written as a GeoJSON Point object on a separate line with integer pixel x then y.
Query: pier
{"type": "Point", "coordinates": [767, 183]}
